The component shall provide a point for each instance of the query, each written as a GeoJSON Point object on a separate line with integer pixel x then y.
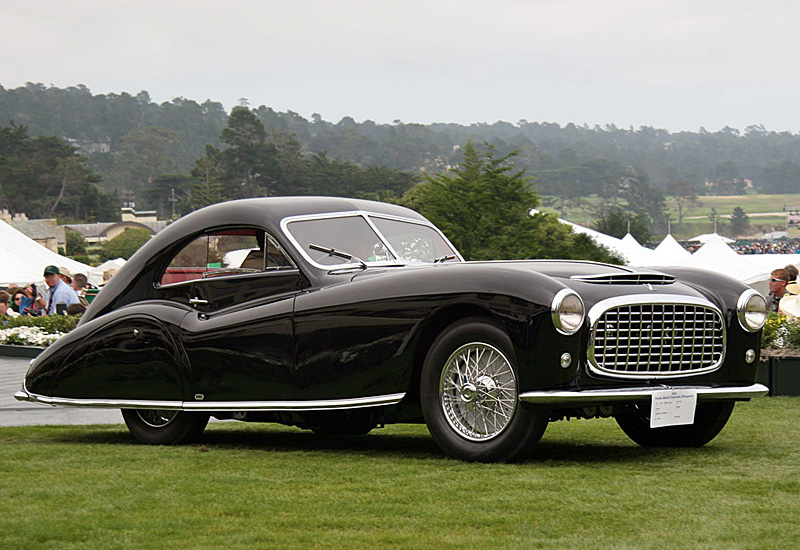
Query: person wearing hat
{"type": "Point", "coordinates": [65, 274]}
{"type": "Point", "coordinates": [789, 305]}
{"type": "Point", "coordinates": [60, 292]}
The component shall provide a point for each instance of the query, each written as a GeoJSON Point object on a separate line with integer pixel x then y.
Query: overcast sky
{"type": "Point", "coordinates": [674, 64]}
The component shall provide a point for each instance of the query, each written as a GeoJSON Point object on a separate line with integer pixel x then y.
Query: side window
{"type": "Point", "coordinates": [225, 252]}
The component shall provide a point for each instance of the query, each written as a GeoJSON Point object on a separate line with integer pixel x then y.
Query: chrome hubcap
{"type": "Point", "coordinates": [478, 391]}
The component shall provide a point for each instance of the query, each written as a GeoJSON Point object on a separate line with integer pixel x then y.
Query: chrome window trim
{"type": "Point", "coordinates": [366, 216]}
{"type": "Point", "coordinates": [267, 239]}
{"type": "Point", "coordinates": [212, 406]}
{"type": "Point", "coordinates": [601, 307]}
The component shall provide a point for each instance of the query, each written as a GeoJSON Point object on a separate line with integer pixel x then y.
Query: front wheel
{"type": "Point", "coordinates": [163, 427]}
{"type": "Point", "coordinates": [709, 419]}
{"type": "Point", "coordinates": [469, 395]}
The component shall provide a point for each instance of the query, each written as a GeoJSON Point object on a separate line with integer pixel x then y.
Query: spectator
{"type": "Point", "coordinates": [61, 294]}
{"type": "Point", "coordinates": [80, 284]}
{"type": "Point", "coordinates": [777, 288]}
{"type": "Point", "coordinates": [30, 304]}
{"type": "Point", "coordinates": [16, 300]}
{"type": "Point", "coordinates": [65, 274]}
{"type": "Point", "coordinates": [792, 287]}
{"type": "Point", "coordinates": [107, 274]}
{"type": "Point", "coordinates": [5, 308]}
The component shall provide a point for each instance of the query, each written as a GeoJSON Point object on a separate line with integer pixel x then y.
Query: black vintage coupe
{"type": "Point", "coordinates": [339, 315]}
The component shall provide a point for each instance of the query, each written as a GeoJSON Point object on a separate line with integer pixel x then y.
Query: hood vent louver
{"type": "Point", "coordinates": [640, 278]}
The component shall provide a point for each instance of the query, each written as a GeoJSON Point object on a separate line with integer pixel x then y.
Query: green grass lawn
{"type": "Point", "coordinates": [264, 486]}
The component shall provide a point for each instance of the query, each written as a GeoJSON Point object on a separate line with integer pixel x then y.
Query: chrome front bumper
{"type": "Point", "coordinates": [594, 397]}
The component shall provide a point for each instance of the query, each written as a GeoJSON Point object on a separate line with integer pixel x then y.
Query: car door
{"type": "Point", "coordinates": [238, 337]}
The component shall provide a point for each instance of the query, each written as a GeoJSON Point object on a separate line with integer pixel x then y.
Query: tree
{"type": "Point", "coordinates": [617, 223]}
{"type": "Point", "coordinates": [249, 160]}
{"type": "Point", "coordinates": [76, 243]}
{"type": "Point", "coordinates": [685, 198]}
{"type": "Point", "coordinates": [44, 176]}
{"type": "Point", "coordinates": [740, 222]}
{"type": "Point", "coordinates": [124, 244]}
{"type": "Point", "coordinates": [142, 155]}
{"type": "Point", "coordinates": [484, 207]}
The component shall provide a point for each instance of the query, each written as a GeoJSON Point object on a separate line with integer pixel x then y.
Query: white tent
{"type": "Point", "coordinates": [705, 237]}
{"type": "Point", "coordinates": [635, 253]}
{"type": "Point", "coordinates": [669, 252]}
{"type": "Point", "coordinates": [24, 260]}
{"type": "Point", "coordinates": [717, 256]}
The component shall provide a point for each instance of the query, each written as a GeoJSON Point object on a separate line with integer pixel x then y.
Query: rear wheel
{"type": "Point", "coordinates": [709, 419]}
{"type": "Point", "coordinates": [164, 427]}
{"type": "Point", "coordinates": [469, 395]}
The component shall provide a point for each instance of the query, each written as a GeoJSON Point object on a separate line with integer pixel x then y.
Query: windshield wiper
{"type": "Point", "coordinates": [443, 259]}
{"type": "Point", "coordinates": [338, 253]}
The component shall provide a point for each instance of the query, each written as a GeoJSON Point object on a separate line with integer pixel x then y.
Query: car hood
{"type": "Point", "coordinates": [535, 280]}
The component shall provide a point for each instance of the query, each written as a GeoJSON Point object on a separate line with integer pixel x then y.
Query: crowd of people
{"type": "Point", "coordinates": [768, 247]}
{"type": "Point", "coordinates": [62, 293]}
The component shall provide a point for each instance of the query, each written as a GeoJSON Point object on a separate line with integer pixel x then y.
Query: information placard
{"type": "Point", "coordinates": [672, 408]}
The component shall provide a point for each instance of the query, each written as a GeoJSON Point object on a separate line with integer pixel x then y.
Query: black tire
{"type": "Point", "coordinates": [709, 419]}
{"type": "Point", "coordinates": [469, 394]}
{"type": "Point", "coordinates": [157, 427]}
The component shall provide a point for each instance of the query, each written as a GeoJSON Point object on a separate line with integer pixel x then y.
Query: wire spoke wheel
{"type": "Point", "coordinates": [156, 418]}
{"type": "Point", "coordinates": [478, 391]}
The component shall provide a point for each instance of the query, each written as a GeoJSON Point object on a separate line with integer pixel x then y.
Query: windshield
{"type": "Point", "coordinates": [350, 234]}
{"type": "Point", "coordinates": [394, 241]}
{"type": "Point", "coordinates": [414, 242]}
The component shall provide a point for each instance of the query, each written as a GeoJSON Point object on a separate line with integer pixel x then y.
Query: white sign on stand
{"type": "Point", "coordinates": [672, 408]}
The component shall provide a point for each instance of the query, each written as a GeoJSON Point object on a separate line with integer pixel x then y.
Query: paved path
{"type": "Point", "coordinates": [21, 413]}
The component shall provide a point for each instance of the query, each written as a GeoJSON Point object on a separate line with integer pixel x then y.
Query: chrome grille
{"type": "Point", "coordinates": [663, 339]}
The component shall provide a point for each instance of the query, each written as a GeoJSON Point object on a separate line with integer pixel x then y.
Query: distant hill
{"type": "Point", "coordinates": [566, 160]}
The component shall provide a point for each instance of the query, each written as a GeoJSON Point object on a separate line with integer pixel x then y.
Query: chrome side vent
{"type": "Point", "coordinates": [626, 279]}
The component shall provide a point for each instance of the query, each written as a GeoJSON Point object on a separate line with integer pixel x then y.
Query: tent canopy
{"type": "Point", "coordinates": [24, 259]}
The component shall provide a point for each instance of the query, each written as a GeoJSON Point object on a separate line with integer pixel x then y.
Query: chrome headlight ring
{"type": "Point", "coordinates": [567, 311]}
{"type": "Point", "coordinates": [751, 309]}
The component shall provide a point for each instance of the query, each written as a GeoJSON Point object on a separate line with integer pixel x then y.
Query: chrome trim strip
{"type": "Point", "coordinates": [639, 277]}
{"type": "Point", "coordinates": [316, 405]}
{"type": "Point", "coordinates": [580, 397]}
{"type": "Point", "coordinates": [600, 308]}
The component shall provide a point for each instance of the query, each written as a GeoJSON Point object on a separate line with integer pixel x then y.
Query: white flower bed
{"type": "Point", "coordinates": [28, 336]}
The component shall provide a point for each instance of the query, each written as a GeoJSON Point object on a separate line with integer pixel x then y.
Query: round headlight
{"type": "Point", "coordinates": [567, 311]}
{"type": "Point", "coordinates": [751, 310]}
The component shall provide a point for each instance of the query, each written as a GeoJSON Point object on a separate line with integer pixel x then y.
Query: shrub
{"type": "Point", "coordinates": [52, 324]}
{"type": "Point", "coordinates": [781, 332]}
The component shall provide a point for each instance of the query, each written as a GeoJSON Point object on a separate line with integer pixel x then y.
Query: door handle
{"type": "Point", "coordinates": [198, 302]}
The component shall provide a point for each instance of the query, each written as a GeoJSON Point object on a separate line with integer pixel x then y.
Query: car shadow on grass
{"type": "Point", "coordinates": [418, 445]}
